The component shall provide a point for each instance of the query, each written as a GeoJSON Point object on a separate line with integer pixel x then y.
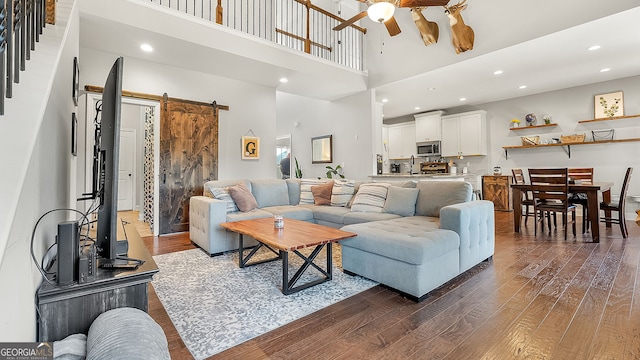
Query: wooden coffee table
{"type": "Point", "coordinates": [294, 236]}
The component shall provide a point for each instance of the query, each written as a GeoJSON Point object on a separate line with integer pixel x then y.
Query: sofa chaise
{"type": "Point", "coordinates": [412, 236]}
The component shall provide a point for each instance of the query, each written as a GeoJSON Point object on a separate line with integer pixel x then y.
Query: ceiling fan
{"type": "Point", "coordinates": [382, 11]}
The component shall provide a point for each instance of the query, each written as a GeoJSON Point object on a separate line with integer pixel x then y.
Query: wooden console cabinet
{"type": "Point", "coordinates": [497, 188]}
{"type": "Point", "coordinates": [71, 309]}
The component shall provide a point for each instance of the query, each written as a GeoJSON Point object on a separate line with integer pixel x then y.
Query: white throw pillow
{"type": "Point", "coordinates": [342, 192]}
{"type": "Point", "coordinates": [370, 197]}
{"type": "Point", "coordinates": [306, 196]}
{"type": "Point", "coordinates": [223, 194]}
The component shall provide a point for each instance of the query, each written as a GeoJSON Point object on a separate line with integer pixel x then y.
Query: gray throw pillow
{"type": "Point", "coordinates": [401, 201]}
{"type": "Point", "coordinates": [434, 195]}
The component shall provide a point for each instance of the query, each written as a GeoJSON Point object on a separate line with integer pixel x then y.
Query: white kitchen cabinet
{"type": "Point", "coordinates": [464, 134]}
{"type": "Point", "coordinates": [402, 141]}
{"type": "Point", "coordinates": [428, 126]}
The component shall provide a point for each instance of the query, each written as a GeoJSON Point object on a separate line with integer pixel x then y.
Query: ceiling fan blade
{"type": "Point", "coordinates": [346, 23]}
{"type": "Point", "coordinates": [392, 26]}
{"type": "Point", "coordinates": [421, 3]}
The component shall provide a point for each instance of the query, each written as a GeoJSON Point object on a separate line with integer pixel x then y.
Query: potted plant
{"type": "Point", "coordinates": [298, 170]}
{"type": "Point", "coordinates": [331, 172]}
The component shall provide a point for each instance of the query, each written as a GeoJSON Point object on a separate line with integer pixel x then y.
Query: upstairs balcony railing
{"type": "Point", "coordinates": [296, 24]}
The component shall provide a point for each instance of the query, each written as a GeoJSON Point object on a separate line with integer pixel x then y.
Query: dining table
{"type": "Point", "coordinates": [593, 207]}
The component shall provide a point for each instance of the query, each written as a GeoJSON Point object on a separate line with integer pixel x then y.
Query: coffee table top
{"type": "Point", "coordinates": [295, 235]}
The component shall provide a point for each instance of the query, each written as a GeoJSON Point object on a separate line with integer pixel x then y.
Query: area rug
{"type": "Point", "coordinates": [216, 305]}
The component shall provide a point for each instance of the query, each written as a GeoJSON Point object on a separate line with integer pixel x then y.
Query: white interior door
{"type": "Point", "coordinates": [127, 169]}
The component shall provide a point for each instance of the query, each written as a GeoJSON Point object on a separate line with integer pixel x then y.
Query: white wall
{"type": "Point", "coordinates": [38, 144]}
{"type": "Point", "coordinates": [252, 107]}
{"type": "Point", "coordinates": [349, 120]}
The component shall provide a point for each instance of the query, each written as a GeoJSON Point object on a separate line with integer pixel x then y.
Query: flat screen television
{"type": "Point", "coordinates": [107, 234]}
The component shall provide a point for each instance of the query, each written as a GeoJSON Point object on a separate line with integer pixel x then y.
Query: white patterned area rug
{"type": "Point", "coordinates": [216, 305]}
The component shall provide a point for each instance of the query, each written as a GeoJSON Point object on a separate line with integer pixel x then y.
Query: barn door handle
{"type": "Point", "coordinates": [164, 177]}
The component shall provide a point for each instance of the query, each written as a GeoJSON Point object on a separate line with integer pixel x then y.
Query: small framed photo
{"type": "Point", "coordinates": [608, 105]}
{"type": "Point", "coordinates": [76, 81]}
{"type": "Point", "coordinates": [74, 134]}
{"type": "Point", "coordinates": [250, 148]}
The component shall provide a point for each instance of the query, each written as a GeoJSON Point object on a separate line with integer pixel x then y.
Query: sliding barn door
{"type": "Point", "coordinates": [188, 158]}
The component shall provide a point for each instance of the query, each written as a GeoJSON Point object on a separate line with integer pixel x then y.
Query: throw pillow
{"type": "Point", "coordinates": [322, 193]}
{"type": "Point", "coordinates": [434, 195]}
{"type": "Point", "coordinates": [243, 197]}
{"type": "Point", "coordinates": [306, 196]}
{"type": "Point", "coordinates": [223, 194]}
{"type": "Point", "coordinates": [342, 192]}
{"type": "Point", "coordinates": [401, 201]}
{"type": "Point", "coordinates": [370, 197]}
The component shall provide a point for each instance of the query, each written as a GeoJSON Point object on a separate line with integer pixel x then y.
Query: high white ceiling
{"type": "Point", "coordinates": [541, 44]}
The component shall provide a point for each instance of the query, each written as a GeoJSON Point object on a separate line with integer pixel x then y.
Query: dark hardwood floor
{"type": "Point", "coordinates": [539, 298]}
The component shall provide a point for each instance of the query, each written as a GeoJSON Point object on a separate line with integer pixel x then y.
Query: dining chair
{"type": "Point", "coordinates": [550, 189]}
{"type": "Point", "coordinates": [526, 196]}
{"type": "Point", "coordinates": [585, 176]}
{"type": "Point", "coordinates": [618, 206]}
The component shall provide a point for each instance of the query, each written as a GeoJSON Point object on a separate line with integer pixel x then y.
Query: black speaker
{"type": "Point", "coordinates": [67, 258]}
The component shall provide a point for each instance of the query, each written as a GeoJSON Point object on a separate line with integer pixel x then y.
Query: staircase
{"type": "Point", "coordinates": [21, 24]}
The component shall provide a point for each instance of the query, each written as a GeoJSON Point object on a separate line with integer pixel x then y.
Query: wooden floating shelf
{"type": "Point", "coordinates": [608, 119]}
{"type": "Point", "coordinates": [568, 145]}
{"type": "Point", "coordinates": [531, 127]}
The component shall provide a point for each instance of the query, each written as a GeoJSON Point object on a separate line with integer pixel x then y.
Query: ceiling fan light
{"type": "Point", "coordinates": [381, 11]}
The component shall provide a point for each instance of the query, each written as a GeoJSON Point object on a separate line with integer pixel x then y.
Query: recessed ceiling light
{"type": "Point", "coordinates": [431, 88]}
{"type": "Point", "coordinates": [522, 87]}
{"type": "Point", "coordinates": [497, 72]}
{"type": "Point", "coordinates": [416, 108]}
{"type": "Point", "coordinates": [385, 100]}
{"type": "Point", "coordinates": [146, 47]}
{"type": "Point", "coordinates": [594, 47]}
{"type": "Point", "coordinates": [463, 99]}
{"type": "Point", "coordinates": [284, 80]}
{"type": "Point", "coordinates": [604, 70]}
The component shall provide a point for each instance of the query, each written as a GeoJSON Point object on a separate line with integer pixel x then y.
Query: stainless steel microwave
{"type": "Point", "coordinates": [428, 148]}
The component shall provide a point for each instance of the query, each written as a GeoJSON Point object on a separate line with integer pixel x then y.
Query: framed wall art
{"type": "Point", "coordinates": [608, 105]}
{"type": "Point", "coordinates": [74, 134]}
{"type": "Point", "coordinates": [250, 148]}
{"type": "Point", "coordinates": [76, 81]}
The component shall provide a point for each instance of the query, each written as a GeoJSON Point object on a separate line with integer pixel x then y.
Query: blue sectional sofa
{"type": "Point", "coordinates": [424, 235]}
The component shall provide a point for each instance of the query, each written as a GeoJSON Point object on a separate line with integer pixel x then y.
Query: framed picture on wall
{"type": "Point", "coordinates": [76, 81]}
{"type": "Point", "coordinates": [250, 148]}
{"type": "Point", "coordinates": [608, 105]}
{"type": "Point", "coordinates": [74, 134]}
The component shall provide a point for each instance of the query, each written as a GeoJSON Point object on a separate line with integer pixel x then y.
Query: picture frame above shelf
{"type": "Point", "coordinates": [531, 127]}
{"type": "Point", "coordinates": [609, 119]}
